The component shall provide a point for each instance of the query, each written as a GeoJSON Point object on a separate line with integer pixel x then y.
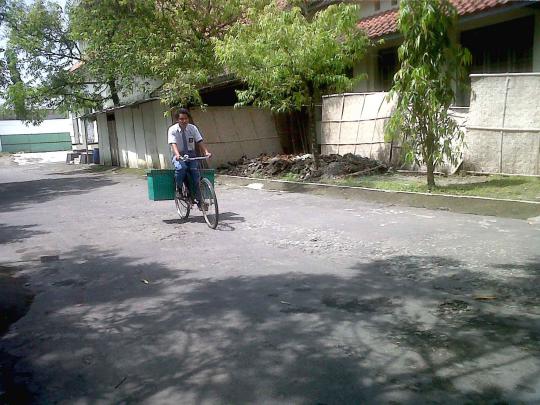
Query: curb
{"type": "Point", "coordinates": [463, 204]}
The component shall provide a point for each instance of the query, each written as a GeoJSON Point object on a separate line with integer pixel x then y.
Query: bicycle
{"type": "Point", "coordinates": [184, 199]}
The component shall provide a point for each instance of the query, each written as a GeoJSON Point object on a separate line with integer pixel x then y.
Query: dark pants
{"type": "Point", "coordinates": [191, 169]}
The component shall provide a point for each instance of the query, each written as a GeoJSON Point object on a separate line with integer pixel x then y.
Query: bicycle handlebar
{"type": "Point", "coordinates": [186, 158]}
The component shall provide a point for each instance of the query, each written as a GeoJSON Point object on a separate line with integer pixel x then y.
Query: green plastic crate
{"type": "Point", "coordinates": [209, 174]}
{"type": "Point", "coordinates": [160, 184]}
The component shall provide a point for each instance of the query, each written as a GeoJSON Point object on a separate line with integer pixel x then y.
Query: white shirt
{"type": "Point", "coordinates": [192, 136]}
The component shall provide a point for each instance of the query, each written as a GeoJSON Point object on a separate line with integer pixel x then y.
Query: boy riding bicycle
{"type": "Point", "coordinates": [183, 138]}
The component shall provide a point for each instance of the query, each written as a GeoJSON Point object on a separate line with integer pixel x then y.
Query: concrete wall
{"type": "Point", "coordinates": [229, 134]}
{"type": "Point", "coordinates": [232, 133]}
{"type": "Point", "coordinates": [354, 123]}
{"type": "Point", "coordinates": [503, 128]}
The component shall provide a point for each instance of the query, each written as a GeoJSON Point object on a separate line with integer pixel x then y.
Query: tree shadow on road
{"type": "Point", "coordinates": [17, 233]}
{"type": "Point", "coordinates": [20, 195]}
{"type": "Point", "coordinates": [403, 329]}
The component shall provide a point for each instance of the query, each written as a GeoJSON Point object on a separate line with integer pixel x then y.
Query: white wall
{"type": "Point", "coordinates": [367, 8]}
{"type": "Point", "coordinates": [14, 127]}
{"type": "Point", "coordinates": [142, 136]}
{"type": "Point", "coordinates": [228, 133]}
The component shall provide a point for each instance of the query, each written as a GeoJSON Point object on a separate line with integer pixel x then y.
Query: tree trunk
{"type": "Point", "coordinates": [430, 175]}
{"type": "Point", "coordinates": [114, 93]}
{"type": "Point", "coordinates": [429, 148]}
{"type": "Point", "coordinates": [313, 135]}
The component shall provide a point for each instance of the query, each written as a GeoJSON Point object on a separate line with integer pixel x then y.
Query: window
{"type": "Point", "coordinates": [377, 5]}
{"type": "Point", "coordinates": [500, 48]}
{"type": "Point", "coordinates": [388, 65]}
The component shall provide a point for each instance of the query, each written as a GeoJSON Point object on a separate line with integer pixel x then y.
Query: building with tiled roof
{"type": "Point", "coordinates": [385, 23]}
{"type": "Point", "coordinates": [502, 36]}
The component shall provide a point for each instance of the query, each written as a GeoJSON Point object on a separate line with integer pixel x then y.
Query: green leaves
{"type": "Point", "coordinates": [287, 60]}
{"type": "Point", "coordinates": [430, 64]}
{"type": "Point", "coordinates": [178, 43]}
{"type": "Point", "coordinates": [39, 52]}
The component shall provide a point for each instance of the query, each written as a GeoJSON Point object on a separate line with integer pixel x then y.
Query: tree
{"type": "Point", "coordinates": [166, 40]}
{"type": "Point", "coordinates": [113, 35]}
{"type": "Point", "coordinates": [38, 60]}
{"type": "Point", "coordinates": [118, 47]}
{"type": "Point", "coordinates": [184, 58]}
{"type": "Point", "coordinates": [287, 60]}
{"type": "Point", "coordinates": [430, 64]}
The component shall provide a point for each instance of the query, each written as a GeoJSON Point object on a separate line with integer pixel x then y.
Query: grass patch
{"type": "Point", "coordinates": [290, 177]}
{"type": "Point", "coordinates": [497, 186]}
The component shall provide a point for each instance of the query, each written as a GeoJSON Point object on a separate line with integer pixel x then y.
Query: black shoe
{"type": "Point", "coordinates": [202, 206]}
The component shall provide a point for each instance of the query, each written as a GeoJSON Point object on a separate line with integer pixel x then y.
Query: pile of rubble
{"type": "Point", "coordinates": [301, 166]}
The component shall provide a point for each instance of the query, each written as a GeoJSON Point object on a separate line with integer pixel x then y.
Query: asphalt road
{"type": "Point", "coordinates": [294, 299]}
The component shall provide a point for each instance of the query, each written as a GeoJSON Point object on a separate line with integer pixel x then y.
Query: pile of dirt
{"type": "Point", "coordinates": [301, 166]}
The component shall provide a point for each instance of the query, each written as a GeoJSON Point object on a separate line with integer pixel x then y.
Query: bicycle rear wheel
{"type": "Point", "coordinates": [181, 200]}
{"type": "Point", "coordinates": [208, 203]}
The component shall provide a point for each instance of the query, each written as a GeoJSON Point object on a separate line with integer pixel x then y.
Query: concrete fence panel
{"type": "Point", "coordinates": [140, 137]}
{"type": "Point", "coordinates": [354, 123]}
{"type": "Point", "coordinates": [162, 123]}
{"type": "Point", "coordinates": [352, 107]}
{"type": "Point", "coordinates": [332, 108]}
{"type": "Point", "coordinates": [231, 133]}
{"type": "Point", "coordinates": [131, 142]}
{"type": "Point", "coordinates": [149, 130]}
{"type": "Point", "coordinates": [103, 140]}
{"type": "Point", "coordinates": [523, 102]}
{"type": "Point", "coordinates": [121, 134]}
{"type": "Point", "coordinates": [503, 127]}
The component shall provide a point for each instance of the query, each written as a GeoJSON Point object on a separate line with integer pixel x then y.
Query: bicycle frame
{"type": "Point", "coordinates": [211, 219]}
{"type": "Point", "coordinates": [188, 180]}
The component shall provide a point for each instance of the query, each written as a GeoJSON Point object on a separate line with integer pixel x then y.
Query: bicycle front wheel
{"type": "Point", "coordinates": [181, 200]}
{"type": "Point", "coordinates": [209, 204]}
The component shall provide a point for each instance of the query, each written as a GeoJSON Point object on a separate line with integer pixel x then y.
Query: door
{"type": "Point", "coordinates": [113, 140]}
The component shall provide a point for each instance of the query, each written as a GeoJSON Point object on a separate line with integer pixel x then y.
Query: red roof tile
{"type": "Point", "coordinates": [386, 22]}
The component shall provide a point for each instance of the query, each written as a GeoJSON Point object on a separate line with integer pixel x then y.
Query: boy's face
{"type": "Point", "coordinates": [183, 120]}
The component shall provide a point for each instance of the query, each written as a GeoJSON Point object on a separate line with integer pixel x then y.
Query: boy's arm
{"type": "Point", "coordinates": [204, 149]}
{"type": "Point", "coordinates": [172, 141]}
{"type": "Point", "coordinates": [175, 150]}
